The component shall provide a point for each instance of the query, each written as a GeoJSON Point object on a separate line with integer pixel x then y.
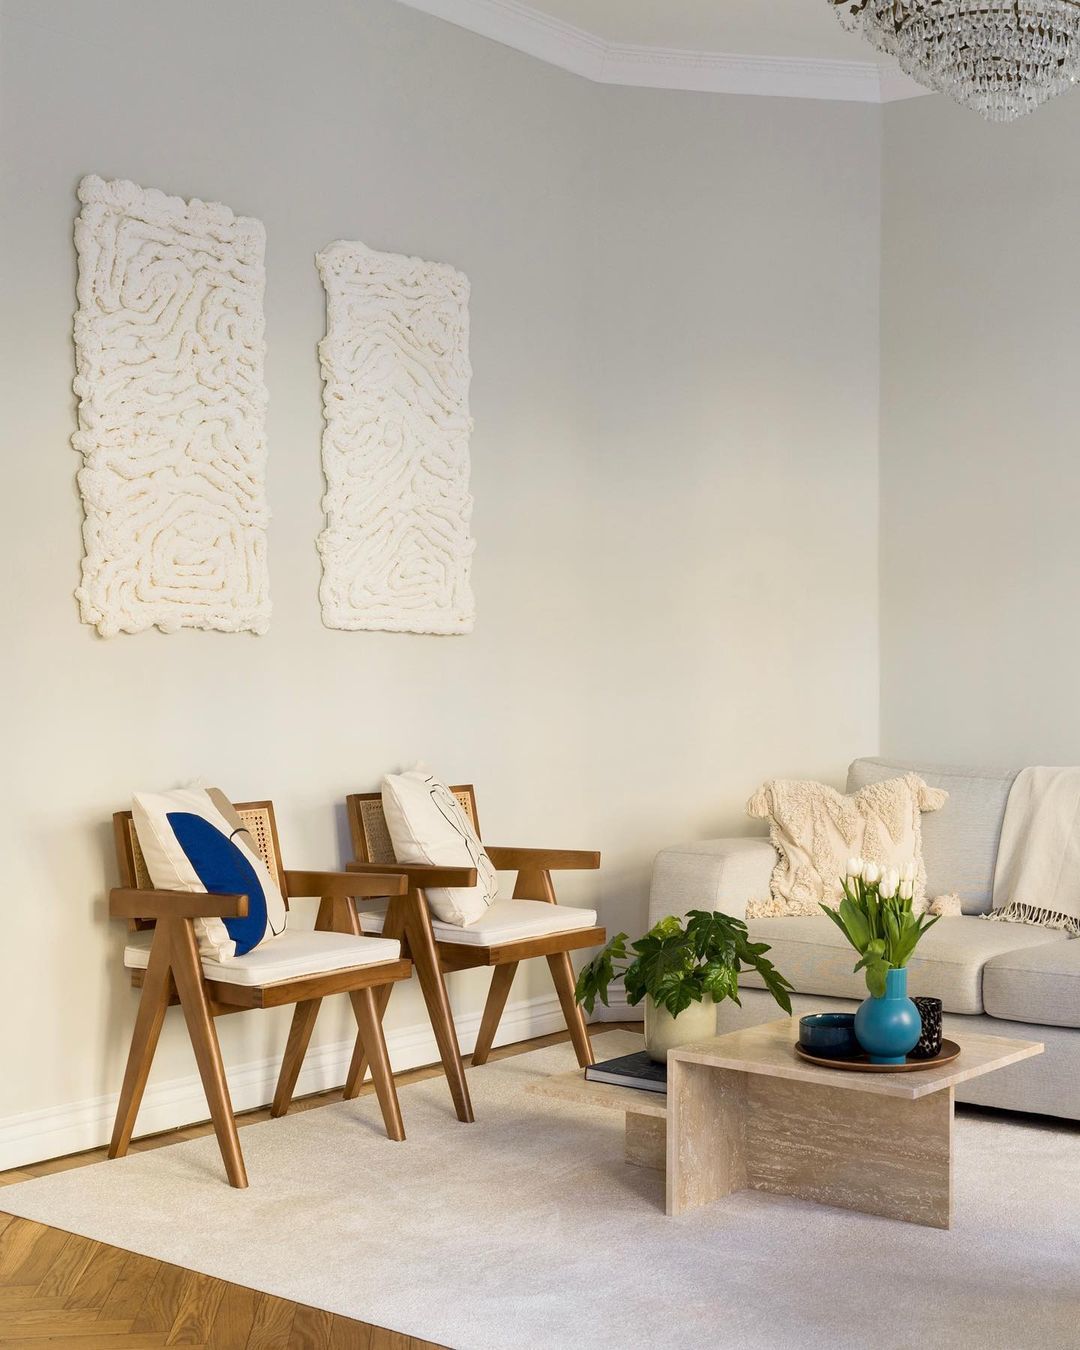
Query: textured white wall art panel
{"type": "Point", "coordinates": [169, 376]}
{"type": "Point", "coordinates": [397, 548]}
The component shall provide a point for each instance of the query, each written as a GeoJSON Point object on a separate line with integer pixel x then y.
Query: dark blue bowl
{"type": "Point", "coordinates": [828, 1033]}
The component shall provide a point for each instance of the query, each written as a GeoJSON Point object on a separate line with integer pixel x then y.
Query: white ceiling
{"type": "Point", "coordinates": [774, 48]}
{"type": "Point", "coordinates": [783, 28]}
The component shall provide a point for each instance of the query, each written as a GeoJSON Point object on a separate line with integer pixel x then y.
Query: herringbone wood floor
{"type": "Point", "coordinates": [63, 1292]}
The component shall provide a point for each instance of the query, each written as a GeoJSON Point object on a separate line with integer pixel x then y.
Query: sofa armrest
{"type": "Point", "coordinates": [721, 874]}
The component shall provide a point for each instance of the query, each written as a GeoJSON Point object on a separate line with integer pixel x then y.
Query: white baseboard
{"type": "Point", "coordinates": [618, 1010]}
{"type": "Point", "coordinates": [57, 1131]}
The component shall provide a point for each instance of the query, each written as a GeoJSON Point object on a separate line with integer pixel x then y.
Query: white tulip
{"type": "Point", "coordinates": [854, 867]}
{"type": "Point", "coordinates": [890, 883]}
{"type": "Point", "coordinates": [907, 889]}
{"type": "Point", "coordinates": [907, 872]}
{"type": "Point", "coordinates": [871, 873]}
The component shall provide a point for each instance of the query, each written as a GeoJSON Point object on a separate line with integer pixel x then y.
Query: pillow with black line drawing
{"type": "Point", "coordinates": [192, 839]}
{"type": "Point", "coordinates": [427, 825]}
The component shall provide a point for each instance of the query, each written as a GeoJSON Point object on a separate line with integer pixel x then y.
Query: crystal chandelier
{"type": "Point", "coordinates": [1001, 57]}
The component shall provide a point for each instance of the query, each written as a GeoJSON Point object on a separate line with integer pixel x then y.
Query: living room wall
{"type": "Point", "coordinates": [979, 466]}
{"type": "Point", "coordinates": [674, 336]}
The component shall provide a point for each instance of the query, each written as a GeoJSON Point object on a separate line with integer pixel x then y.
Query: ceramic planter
{"type": "Point", "coordinates": [664, 1032]}
{"type": "Point", "coordinates": [888, 1028]}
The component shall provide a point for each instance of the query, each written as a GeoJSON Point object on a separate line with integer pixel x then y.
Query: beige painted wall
{"type": "Point", "coordinates": [674, 324]}
{"type": "Point", "coordinates": [980, 470]}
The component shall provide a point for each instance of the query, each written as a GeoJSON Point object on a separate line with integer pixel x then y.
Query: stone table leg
{"type": "Point", "coordinates": [646, 1140]}
{"type": "Point", "coordinates": [728, 1131]}
{"type": "Point", "coordinates": [856, 1150]}
{"type": "Point", "coordinates": [706, 1144]}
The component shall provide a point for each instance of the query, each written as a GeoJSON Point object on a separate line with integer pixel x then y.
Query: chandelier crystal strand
{"type": "Point", "coordinates": [1001, 57]}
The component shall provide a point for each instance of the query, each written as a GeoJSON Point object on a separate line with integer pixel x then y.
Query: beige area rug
{"type": "Point", "coordinates": [527, 1230]}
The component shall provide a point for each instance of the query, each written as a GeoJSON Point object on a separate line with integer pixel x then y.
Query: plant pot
{"type": "Point", "coordinates": [664, 1032]}
{"type": "Point", "coordinates": [888, 1028]}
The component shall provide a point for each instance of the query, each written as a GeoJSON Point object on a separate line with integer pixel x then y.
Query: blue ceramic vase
{"type": "Point", "coordinates": [889, 1027]}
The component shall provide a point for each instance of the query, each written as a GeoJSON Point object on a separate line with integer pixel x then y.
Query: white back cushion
{"type": "Point", "coordinates": [959, 843]}
{"type": "Point", "coordinates": [427, 825]}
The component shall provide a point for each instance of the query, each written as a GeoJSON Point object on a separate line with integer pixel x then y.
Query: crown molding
{"type": "Point", "coordinates": [515, 24]}
{"type": "Point", "coordinates": [895, 85]}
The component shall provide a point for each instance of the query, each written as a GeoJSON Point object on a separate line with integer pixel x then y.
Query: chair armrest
{"type": "Point", "coordinates": [128, 903]}
{"type": "Point", "coordinates": [420, 874]}
{"type": "Point", "coordinates": [345, 884]}
{"type": "Point", "coordinates": [721, 874]}
{"type": "Point", "coordinates": [543, 859]}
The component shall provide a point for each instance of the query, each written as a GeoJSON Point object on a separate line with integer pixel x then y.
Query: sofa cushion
{"type": "Point", "coordinates": [504, 921]}
{"type": "Point", "coordinates": [288, 957]}
{"type": "Point", "coordinates": [959, 842]}
{"type": "Point", "coordinates": [948, 963]}
{"type": "Point", "coordinates": [1035, 984]}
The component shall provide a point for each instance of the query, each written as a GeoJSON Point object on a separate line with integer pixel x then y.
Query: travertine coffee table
{"type": "Point", "coordinates": [745, 1113]}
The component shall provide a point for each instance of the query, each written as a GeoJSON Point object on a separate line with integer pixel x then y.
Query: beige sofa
{"type": "Point", "coordinates": [1002, 978]}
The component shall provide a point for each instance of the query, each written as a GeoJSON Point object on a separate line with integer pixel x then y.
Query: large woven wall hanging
{"type": "Point", "coordinates": [397, 549]}
{"type": "Point", "coordinates": [169, 376]}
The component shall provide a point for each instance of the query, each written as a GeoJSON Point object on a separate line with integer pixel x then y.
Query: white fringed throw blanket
{"type": "Point", "coordinates": [1037, 877]}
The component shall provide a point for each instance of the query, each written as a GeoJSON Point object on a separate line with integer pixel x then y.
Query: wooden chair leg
{"type": "Point", "coordinates": [562, 972]}
{"type": "Point", "coordinates": [187, 973]}
{"type": "Point", "coordinates": [303, 1024]}
{"type": "Point", "coordinates": [425, 959]}
{"type": "Point", "coordinates": [358, 1067]}
{"type": "Point", "coordinates": [393, 927]}
{"type": "Point", "coordinates": [371, 1033]}
{"type": "Point", "coordinates": [156, 990]}
{"type": "Point", "coordinates": [408, 918]}
{"type": "Point", "coordinates": [501, 980]}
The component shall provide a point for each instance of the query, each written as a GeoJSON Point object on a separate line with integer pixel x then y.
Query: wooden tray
{"type": "Point", "coordinates": [860, 1063]}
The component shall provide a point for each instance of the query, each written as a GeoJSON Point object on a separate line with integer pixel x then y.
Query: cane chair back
{"type": "Point", "coordinates": [371, 838]}
{"type": "Point", "coordinates": [258, 820]}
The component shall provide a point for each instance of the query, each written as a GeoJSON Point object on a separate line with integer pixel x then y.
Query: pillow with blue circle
{"type": "Point", "coordinates": [192, 839]}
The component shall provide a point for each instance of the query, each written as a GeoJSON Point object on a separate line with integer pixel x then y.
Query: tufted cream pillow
{"type": "Point", "coordinates": [815, 829]}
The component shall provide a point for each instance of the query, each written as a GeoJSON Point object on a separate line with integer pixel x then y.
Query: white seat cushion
{"type": "Point", "coordinates": [1039, 984]}
{"type": "Point", "coordinates": [287, 957]}
{"type": "Point", "coordinates": [504, 921]}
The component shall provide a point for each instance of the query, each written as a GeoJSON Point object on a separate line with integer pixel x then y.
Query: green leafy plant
{"type": "Point", "coordinates": [677, 964]}
{"type": "Point", "coordinates": [875, 916]}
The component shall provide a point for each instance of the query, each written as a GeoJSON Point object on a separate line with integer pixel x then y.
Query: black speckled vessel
{"type": "Point", "coordinates": [929, 1043]}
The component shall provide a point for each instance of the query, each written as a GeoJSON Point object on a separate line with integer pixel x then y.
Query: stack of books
{"type": "Point", "coordinates": [633, 1071]}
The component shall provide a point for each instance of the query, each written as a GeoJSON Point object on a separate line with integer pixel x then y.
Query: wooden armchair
{"type": "Point", "coordinates": [510, 932]}
{"type": "Point", "coordinates": [297, 967]}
